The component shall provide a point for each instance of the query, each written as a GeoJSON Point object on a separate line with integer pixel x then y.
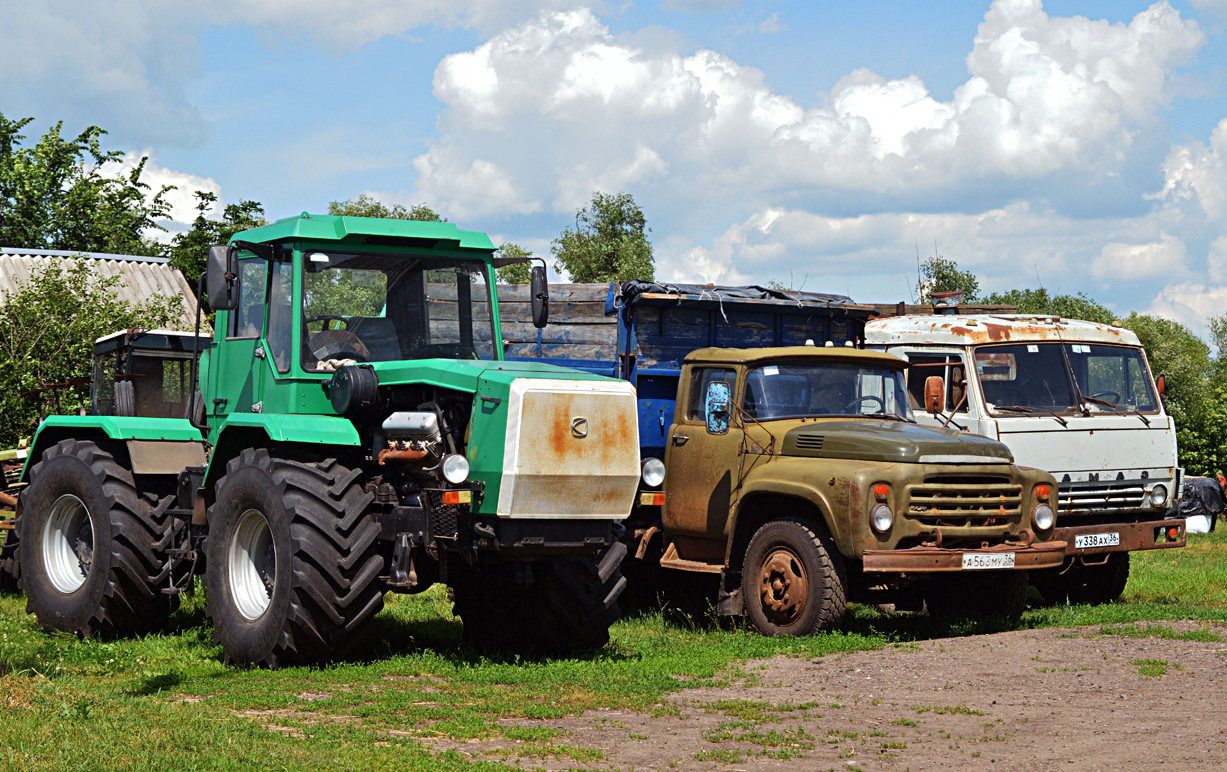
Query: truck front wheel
{"type": "Point", "coordinates": [793, 581]}
{"type": "Point", "coordinates": [93, 549]}
{"type": "Point", "coordinates": [292, 568]}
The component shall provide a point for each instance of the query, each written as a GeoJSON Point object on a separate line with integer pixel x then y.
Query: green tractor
{"type": "Point", "coordinates": [356, 431]}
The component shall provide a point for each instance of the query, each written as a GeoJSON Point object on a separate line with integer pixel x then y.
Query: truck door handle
{"type": "Point", "coordinates": [680, 439]}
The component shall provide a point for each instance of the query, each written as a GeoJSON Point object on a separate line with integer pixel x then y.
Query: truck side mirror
{"type": "Point", "coordinates": [935, 391]}
{"type": "Point", "coordinates": [222, 269]}
{"type": "Point", "coordinates": [1161, 385]}
{"type": "Point", "coordinates": [540, 289]}
{"type": "Point", "coordinates": [716, 403]}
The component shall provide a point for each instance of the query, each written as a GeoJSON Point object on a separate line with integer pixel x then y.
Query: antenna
{"type": "Point", "coordinates": [916, 294]}
{"type": "Point", "coordinates": [1041, 283]}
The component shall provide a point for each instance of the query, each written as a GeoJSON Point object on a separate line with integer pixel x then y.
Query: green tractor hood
{"type": "Point", "coordinates": [892, 442]}
{"type": "Point", "coordinates": [467, 374]}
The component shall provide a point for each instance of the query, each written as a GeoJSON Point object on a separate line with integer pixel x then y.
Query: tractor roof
{"type": "Point", "coordinates": [372, 231]}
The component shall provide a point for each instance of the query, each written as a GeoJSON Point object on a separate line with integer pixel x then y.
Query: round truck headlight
{"type": "Point", "coordinates": [1158, 495]}
{"type": "Point", "coordinates": [652, 472]}
{"type": "Point", "coordinates": [881, 518]}
{"type": "Point", "coordinates": [1043, 517]}
{"type": "Point", "coordinates": [455, 469]}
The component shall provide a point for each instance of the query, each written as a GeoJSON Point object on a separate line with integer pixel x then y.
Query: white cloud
{"type": "Point", "coordinates": [1128, 262]}
{"type": "Point", "coordinates": [1197, 173]}
{"type": "Point", "coordinates": [1045, 96]}
{"type": "Point", "coordinates": [1191, 304]}
{"type": "Point", "coordinates": [182, 199]}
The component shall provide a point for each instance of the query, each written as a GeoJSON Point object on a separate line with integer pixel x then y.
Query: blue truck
{"type": "Point", "coordinates": [781, 456]}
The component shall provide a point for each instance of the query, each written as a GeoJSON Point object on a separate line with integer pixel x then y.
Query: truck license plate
{"type": "Point", "coordinates": [1084, 540]}
{"type": "Point", "coordinates": [988, 560]}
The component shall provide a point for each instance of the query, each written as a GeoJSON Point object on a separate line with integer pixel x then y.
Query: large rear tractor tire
{"type": "Point", "coordinates": [92, 548]}
{"type": "Point", "coordinates": [292, 565]}
{"type": "Point", "coordinates": [996, 593]}
{"type": "Point", "coordinates": [793, 581]}
{"type": "Point", "coordinates": [10, 567]}
{"type": "Point", "coordinates": [553, 608]}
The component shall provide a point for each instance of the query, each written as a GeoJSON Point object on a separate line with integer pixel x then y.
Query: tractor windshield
{"type": "Point", "coordinates": [380, 308]}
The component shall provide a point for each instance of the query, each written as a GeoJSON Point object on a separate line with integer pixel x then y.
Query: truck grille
{"type": "Point", "coordinates": [967, 501]}
{"type": "Point", "coordinates": [1101, 496]}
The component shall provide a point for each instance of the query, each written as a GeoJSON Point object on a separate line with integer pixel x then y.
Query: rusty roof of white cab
{"type": "Point", "coordinates": [937, 329]}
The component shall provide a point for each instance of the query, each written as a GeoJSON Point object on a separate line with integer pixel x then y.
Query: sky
{"type": "Point", "coordinates": [1081, 146]}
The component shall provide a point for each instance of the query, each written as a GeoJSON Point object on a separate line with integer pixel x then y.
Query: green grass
{"type": "Point", "coordinates": [422, 701]}
{"type": "Point", "coordinates": [1150, 668]}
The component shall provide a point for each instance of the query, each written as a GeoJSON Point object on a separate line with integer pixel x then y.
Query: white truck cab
{"type": "Point", "coordinates": [1073, 398]}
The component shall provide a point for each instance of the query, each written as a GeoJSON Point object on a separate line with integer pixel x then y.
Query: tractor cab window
{"type": "Point", "coordinates": [380, 308]}
{"type": "Point", "coordinates": [247, 320]}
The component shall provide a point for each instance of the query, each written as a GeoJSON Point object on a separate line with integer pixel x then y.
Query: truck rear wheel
{"type": "Point", "coordinates": [1002, 593]}
{"type": "Point", "coordinates": [793, 581]}
{"type": "Point", "coordinates": [1098, 584]}
{"type": "Point", "coordinates": [292, 565]}
{"type": "Point", "coordinates": [93, 549]}
{"type": "Point", "coordinates": [566, 606]}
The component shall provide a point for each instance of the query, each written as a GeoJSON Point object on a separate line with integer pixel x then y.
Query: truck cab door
{"type": "Point", "coordinates": [702, 467]}
{"type": "Point", "coordinates": [236, 371]}
{"type": "Point", "coordinates": [960, 402]}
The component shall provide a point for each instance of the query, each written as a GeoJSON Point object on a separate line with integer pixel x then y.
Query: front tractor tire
{"type": "Point", "coordinates": [93, 550]}
{"type": "Point", "coordinates": [544, 608]}
{"type": "Point", "coordinates": [292, 565]}
{"type": "Point", "coordinates": [793, 580]}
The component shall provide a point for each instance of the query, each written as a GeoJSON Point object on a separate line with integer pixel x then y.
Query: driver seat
{"type": "Point", "coordinates": [378, 334]}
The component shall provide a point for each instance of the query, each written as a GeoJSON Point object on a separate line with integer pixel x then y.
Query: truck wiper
{"type": "Point", "coordinates": [1025, 409]}
{"type": "Point", "coordinates": [1123, 408]}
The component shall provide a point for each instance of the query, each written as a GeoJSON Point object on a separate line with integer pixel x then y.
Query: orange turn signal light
{"type": "Point", "coordinates": [880, 491]}
{"type": "Point", "coordinates": [1173, 533]}
{"type": "Point", "coordinates": [651, 499]}
{"type": "Point", "coordinates": [457, 497]}
{"type": "Point", "coordinates": [1043, 491]}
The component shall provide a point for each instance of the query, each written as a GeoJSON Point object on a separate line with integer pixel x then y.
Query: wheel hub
{"type": "Point", "coordinates": [68, 544]}
{"type": "Point", "coordinates": [252, 565]}
{"type": "Point", "coordinates": [784, 587]}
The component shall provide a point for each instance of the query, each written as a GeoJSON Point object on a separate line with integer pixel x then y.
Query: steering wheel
{"type": "Point", "coordinates": [1114, 395]}
{"type": "Point", "coordinates": [326, 319]}
{"type": "Point", "coordinates": [338, 344]}
{"type": "Point", "coordinates": [855, 405]}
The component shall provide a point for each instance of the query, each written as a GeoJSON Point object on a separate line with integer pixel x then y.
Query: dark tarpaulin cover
{"type": "Point", "coordinates": [634, 288]}
{"type": "Point", "coordinates": [1202, 496]}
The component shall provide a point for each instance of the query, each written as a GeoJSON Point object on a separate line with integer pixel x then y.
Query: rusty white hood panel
{"type": "Point", "coordinates": [572, 450]}
{"type": "Point", "coordinates": [1097, 445]}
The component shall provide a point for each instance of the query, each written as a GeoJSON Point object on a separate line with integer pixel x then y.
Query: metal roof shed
{"type": "Point", "coordinates": [141, 278]}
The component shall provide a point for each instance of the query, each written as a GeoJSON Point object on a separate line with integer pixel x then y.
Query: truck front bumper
{"type": "Point", "coordinates": [928, 559]}
{"type": "Point", "coordinates": [1128, 537]}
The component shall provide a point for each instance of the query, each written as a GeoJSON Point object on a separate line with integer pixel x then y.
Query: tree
{"type": "Point", "coordinates": [517, 273]}
{"type": "Point", "coordinates": [1038, 301]}
{"type": "Point", "coordinates": [188, 251]}
{"type": "Point", "coordinates": [47, 331]}
{"type": "Point", "coordinates": [937, 274]}
{"type": "Point", "coordinates": [365, 206]}
{"type": "Point", "coordinates": [609, 242]}
{"type": "Point", "coordinates": [55, 195]}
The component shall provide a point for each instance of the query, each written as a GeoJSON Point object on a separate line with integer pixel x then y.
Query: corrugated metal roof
{"type": "Point", "coordinates": [141, 278]}
{"type": "Point", "coordinates": [992, 328]}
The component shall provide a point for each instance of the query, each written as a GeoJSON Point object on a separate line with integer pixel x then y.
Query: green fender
{"type": "Point", "coordinates": [55, 428]}
{"type": "Point", "coordinates": [243, 430]}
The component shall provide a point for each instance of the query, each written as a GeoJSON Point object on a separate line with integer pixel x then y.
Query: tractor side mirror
{"type": "Point", "coordinates": [1161, 385]}
{"type": "Point", "coordinates": [540, 289]}
{"type": "Point", "coordinates": [716, 403]}
{"type": "Point", "coordinates": [222, 269]}
{"type": "Point", "coordinates": [935, 391]}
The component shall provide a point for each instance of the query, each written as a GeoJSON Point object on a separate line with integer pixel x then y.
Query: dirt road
{"type": "Point", "coordinates": [1152, 699]}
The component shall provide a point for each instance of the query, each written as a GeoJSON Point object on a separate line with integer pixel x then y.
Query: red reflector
{"type": "Point", "coordinates": [881, 491]}
{"type": "Point", "coordinates": [1173, 534]}
{"type": "Point", "coordinates": [1043, 491]}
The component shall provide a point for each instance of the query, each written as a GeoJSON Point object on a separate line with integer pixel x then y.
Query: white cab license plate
{"type": "Point", "coordinates": [1085, 540]}
{"type": "Point", "coordinates": [973, 560]}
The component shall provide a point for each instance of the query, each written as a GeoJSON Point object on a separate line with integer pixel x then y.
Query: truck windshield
{"type": "Point", "coordinates": [382, 308]}
{"type": "Point", "coordinates": [825, 389]}
{"type": "Point", "coordinates": [1020, 376]}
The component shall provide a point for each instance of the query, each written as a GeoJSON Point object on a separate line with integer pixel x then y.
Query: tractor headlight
{"type": "Point", "coordinates": [455, 469]}
{"type": "Point", "coordinates": [1043, 517]}
{"type": "Point", "coordinates": [881, 518]}
{"type": "Point", "coordinates": [652, 472]}
{"type": "Point", "coordinates": [1158, 496]}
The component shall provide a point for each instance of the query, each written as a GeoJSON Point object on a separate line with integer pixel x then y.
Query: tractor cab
{"type": "Point", "coordinates": [143, 373]}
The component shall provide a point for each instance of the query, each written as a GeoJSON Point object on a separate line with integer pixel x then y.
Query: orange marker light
{"type": "Point", "coordinates": [651, 499]}
{"type": "Point", "coordinates": [880, 491]}
{"type": "Point", "coordinates": [1173, 534]}
{"type": "Point", "coordinates": [457, 497]}
{"type": "Point", "coordinates": [1043, 491]}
